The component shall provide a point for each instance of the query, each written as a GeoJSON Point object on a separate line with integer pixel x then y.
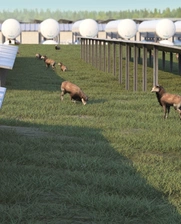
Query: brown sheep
{"type": "Point", "coordinates": [76, 94]}
{"type": "Point", "coordinates": [166, 100]}
{"type": "Point", "coordinates": [48, 61]}
{"type": "Point", "coordinates": [62, 66]}
{"type": "Point", "coordinates": [38, 56]}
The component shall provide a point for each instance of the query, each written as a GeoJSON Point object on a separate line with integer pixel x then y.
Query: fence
{"type": "Point", "coordinates": [107, 54]}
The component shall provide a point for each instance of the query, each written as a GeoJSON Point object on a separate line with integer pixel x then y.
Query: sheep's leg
{"type": "Point", "coordinates": [83, 101]}
{"type": "Point", "coordinates": [53, 67]}
{"type": "Point", "coordinates": [62, 94]}
{"type": "Point", "coordinates": [165, 112]}
{"type": "Point", "coordinates": [179, 112]}
{"type": "Point", "coordinates": [168, 111]}
{"type": "Point", "coordinates": [72, 99]}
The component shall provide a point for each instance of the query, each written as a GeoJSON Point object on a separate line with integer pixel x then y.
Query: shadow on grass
{"type": "Point", "coordinates": [68, 174]}
{"type": "Point", "coordinates": [28, 72]}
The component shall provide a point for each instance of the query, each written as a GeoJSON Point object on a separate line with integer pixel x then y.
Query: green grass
{"type": "Point", "coordinates": [114, 160]}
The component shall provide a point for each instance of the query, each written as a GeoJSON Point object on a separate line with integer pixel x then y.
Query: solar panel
{"type": "Point", "coordinates": [7, 56]}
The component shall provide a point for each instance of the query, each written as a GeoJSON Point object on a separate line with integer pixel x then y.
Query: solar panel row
{"type": "Point", "coordinates": [7, 56]}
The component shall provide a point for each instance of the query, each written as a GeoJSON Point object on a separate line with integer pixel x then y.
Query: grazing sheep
{"type": "Point", "coordinates": [76, 94]}
{"type": "Point", "coordinates": [48, 61]}
{"type": "Point", "coordinates": [166, 100]}
{"type": "Point", "coordinates": [57, 47]}
{"type": "Point", "coordinates": [38, 56]}
{"type": "Point", "coordinates": [62, 66]}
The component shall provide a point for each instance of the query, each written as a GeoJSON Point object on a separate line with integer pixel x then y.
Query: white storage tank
{"type": "Point", "coordinates": [112, 26]}
{"type": "Point", "coordinates": [178, 28]}
{"type": "Point", "coordinates": [162, 28]}
{"type": "Point", "coordinates": [86, 28]}
{"type": "Point", "coordinates": [126, 28]}
{"type": "Point", "coordinates": [11, 29]}
{"type": "Point", "coordinates": [49, 28]}
{"type": "Point", "coordinates": [148, 28]}
{"type": "Point", "coordinates": [177, 33]}
{"type": "Point", "coordinates": [165, 28]}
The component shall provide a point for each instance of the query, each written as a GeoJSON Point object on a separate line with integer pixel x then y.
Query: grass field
{"type": "Point", "coordinates": [112, 161]}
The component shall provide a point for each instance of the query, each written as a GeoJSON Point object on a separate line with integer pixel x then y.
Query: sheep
{"type": "Point", "coordinates": [62, 66]}
{"type": "Point", "coordinates": [57, 47]}
{"type": "Point", "coordinates": [166, 100]}
{"type": "Point", "coordinates": [76, 94]}
{"type": "Point", "coordinates": [48, 61]}
{"type": "Point", "coordinates": [38, 56]}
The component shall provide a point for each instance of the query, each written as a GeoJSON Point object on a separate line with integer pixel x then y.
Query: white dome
{"type": "Point", "coordinates": [86, 28]}
{"type": "Point", "coordinates": [126, 28]}
{"type": "Point", "coordinates": [11, 28]}
{"type": "Point", "coordinates": [49, 28]}
{"type": "Point", "coordinates": [165, 28]}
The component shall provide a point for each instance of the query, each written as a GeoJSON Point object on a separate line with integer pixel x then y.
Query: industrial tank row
{"type": "Point", "coordinates": [126, 29]}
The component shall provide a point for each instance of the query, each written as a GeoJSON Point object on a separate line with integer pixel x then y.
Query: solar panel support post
{"type": "Point", "coordinates": [3, 74]}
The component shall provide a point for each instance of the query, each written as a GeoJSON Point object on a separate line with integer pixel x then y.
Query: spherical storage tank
{"type": "Point", "coordinates": [165, 28]}
{"type": "Point", "coordinates": [86, 28]}
{"type": "Point", "coordinates": [49, 28]}
{"type": "Point", "coordinates": [126, 28]}
{"type": "Point", "coordinates": [11, 28]}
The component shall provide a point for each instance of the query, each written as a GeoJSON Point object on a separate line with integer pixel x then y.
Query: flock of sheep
{"type": "Point", "coordinates": [50, 62]}
{"type": "Point", "coordinates": [75, 92]}
{"type": "Point", "coordinates": [166, 100]}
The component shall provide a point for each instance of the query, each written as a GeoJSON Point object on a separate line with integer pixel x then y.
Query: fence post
{"type": "Point", "coordinates": [144, 69]}
{"type": "Point", "coordinates": [135, 72]}
{"type": "Point", "coordinates": [120, 63]}
{"type": "Point", "coordinates": [127, 66]}
{"type": "Point", "coordinates": [114, 58]}
{"type": "Point", "coordinates": [155, 65]}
